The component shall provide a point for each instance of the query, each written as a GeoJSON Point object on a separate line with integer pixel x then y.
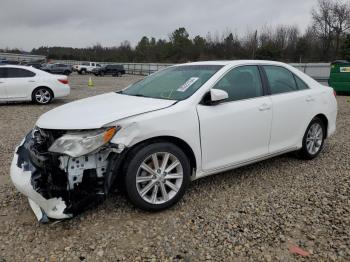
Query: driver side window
{"type": "Point", "coordinates": [240, 83]}
{"type": "Point", "coordinates": [280, 79]}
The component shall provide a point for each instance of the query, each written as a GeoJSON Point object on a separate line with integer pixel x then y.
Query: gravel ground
{"type": "Point", "coordinates": [255, 213]}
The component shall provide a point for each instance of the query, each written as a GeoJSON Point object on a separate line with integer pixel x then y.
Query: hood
{"type": "Point", "coordinates": [97, 111]}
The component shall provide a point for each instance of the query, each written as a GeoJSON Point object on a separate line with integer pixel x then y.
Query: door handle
{"type": "Point", "coordinates": [309, 99]}
{"type": "Point", "coordinates": [31, 81]}
{"type": "Point", "coordinates": [264, 107]}
{"type": "Point", "coordinates": [1, 82]}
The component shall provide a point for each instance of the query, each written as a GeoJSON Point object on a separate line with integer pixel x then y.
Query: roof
{"type": "Point", "coordinates": [235, 62]}
{"type": "Point", "coordinates": [30, 68]}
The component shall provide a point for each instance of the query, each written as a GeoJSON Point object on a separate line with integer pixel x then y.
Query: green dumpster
{"type": "Point", "coordinates": [339, 78]}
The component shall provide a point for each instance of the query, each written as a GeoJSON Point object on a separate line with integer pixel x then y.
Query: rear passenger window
{"type": "Point", "coordinates": [241, 83]}
{"type": "Point", "coordinates": [280, 79]}
{"type": "Point", "coordinates": [300, 83]}
{"type": "Point", "coordinates": [18, 73]}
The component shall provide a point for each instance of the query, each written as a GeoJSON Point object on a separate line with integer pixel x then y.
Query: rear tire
{"type": "Point", "coordinates": [42, 96]}
{"type": "Point", "coordinates": [313, 140]}
{"type": "Point", "coordinates": [156, 175]}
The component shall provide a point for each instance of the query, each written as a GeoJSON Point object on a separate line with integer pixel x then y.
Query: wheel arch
{"type": "Point", "coordinates": [324, 119]}
{"type": "Point", "coordinates": [185, 147]}
{"type": "Point", "coordinates": [43, 86]}
{"type": "Point", "coordinates": [119, 166]}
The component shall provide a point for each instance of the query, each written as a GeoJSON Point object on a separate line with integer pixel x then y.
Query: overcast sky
{"type": "Point", "coordinates": [26, 24]}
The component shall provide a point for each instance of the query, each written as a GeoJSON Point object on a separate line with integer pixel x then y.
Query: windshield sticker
{"type": "Point", "coordinates": [345, 70]}
{"type": "Point", "coordinates": [188, 83]}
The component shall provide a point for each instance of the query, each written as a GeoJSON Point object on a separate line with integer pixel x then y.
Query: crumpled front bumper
{"type": "Point", "coordinates": [59, 186]}
{"type": "Point", "coordinates": [21, 176]}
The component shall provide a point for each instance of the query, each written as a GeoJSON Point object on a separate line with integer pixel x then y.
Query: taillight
{"type": "Point", "coordinates": [63, 81]}
{"type": "Point", "coordinates": [334, 92]}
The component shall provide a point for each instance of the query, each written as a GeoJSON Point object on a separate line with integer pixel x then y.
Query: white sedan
{"type": "Point", "coordinates": [182, 123]}
{"type": "Point", "coordinates": [24, 83]}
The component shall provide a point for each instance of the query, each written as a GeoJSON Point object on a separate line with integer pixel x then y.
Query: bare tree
{"type": "Point", "coordinates": [341, 21]}
{"type": "Point", "coordinates": [331, 19]}
{"type": "Point", "coordinates": [322, 20]}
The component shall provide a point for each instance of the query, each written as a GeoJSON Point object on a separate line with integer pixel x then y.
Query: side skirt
{"type": "Point", "coordinates": [240, 164]}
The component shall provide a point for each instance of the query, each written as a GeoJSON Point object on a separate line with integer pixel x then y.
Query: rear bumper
{"type": "Point", "coordinates": [62, 91]}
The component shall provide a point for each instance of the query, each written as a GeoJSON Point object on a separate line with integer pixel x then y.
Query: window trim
{"type": "Point", "coordinates": [7, 69]}
{"type": "Point", "coordinates": [263, 84]}
{"type": "Point", "coordinates": [294, 77]}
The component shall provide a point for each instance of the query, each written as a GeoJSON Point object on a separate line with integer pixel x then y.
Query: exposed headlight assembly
{"type": "Point", "coordinates": [82, 143]}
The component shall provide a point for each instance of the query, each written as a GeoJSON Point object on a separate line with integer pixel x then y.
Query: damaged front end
{"type": "Point", "coordinates": [62, 185]}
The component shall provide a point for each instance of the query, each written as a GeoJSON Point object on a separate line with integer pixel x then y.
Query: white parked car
{"type": "Point", "coordinates": [182, 123]}
{"type": "Point", "coordinates": [86, 67]}
{"type": "Point", "coordinates": [25, 83]}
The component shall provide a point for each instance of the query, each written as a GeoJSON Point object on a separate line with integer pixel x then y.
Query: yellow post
{"type": "Point", "coordinates": [90, 83]}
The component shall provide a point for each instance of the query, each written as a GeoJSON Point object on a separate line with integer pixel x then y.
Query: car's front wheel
{"type": "Point", "coordinates": [313, 139]}
{"type": "Point", "coordinates": [156, 175]}
{"type": "Point", "coordinates": [42, 95]}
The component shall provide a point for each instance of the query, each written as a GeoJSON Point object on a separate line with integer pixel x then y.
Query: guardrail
{"type": "Point", "coordinates": [319, 71]}
{"type": "Point", "coordinates": [21, 57]}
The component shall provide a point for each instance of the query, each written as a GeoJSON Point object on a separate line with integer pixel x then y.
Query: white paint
{"type": "Point", "coordinates": [21, 89]}
{"type": "Point", "coordinates": [218, 95]}
{"type": "Point", "coordinates": [94, 112]}
{"type": "Point", "coordinates": [53, 207]}
{"type": "Point", "coordinates": [222, 136]}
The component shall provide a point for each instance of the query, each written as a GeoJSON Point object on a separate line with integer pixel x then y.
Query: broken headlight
{"type": "Point", "coordinates": [82, 143]}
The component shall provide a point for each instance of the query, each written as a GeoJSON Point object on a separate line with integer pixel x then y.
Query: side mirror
{"type": "Point", "coordinates": [215, 96]}
{"type": "Point", "coordinates": [218, 95]}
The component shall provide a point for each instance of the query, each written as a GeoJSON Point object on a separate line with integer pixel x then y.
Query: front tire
{"type": "Point", "coordinates": [156, 175]}
{"type": "Point", "coordinates": [313, 140]}
{"type": "Point", "coordinates": [42, 96]}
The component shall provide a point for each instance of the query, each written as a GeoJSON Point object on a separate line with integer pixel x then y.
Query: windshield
{"type": "Point", "coordinates": [174, 83]}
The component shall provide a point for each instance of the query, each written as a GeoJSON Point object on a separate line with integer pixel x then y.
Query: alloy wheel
{"type": "Point", "coordinates": [159, 178]}
{"type": "Point", "coordinates": [42, 96]}
{"type": "Point", "coordinates": [314, 138]}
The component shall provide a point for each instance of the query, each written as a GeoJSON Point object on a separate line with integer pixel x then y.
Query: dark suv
{"type": "Point", "coordinates": [61, 69]}
{"type": "Point", "coordinates": [114, 70]}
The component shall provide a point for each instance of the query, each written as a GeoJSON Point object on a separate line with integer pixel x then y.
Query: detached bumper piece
{"type": "Point", "coordinates": [57, 186]}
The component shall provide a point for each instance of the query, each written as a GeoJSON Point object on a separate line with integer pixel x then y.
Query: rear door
{"type": "Point", "coordinates": [292, 103]}
{"type": "Point", "coordinates": [238, 130]}
{"type": "Point", "coordinates": [3, 91]}
{"type": "Point", "coordinates": [19, 82]}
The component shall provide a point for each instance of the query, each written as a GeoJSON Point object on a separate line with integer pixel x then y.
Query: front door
{"type": "Point", "coordinates": [237, 130]}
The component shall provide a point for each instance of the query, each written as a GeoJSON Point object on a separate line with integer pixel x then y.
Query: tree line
{"type": "Point", "coordinates": [326, 39]}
